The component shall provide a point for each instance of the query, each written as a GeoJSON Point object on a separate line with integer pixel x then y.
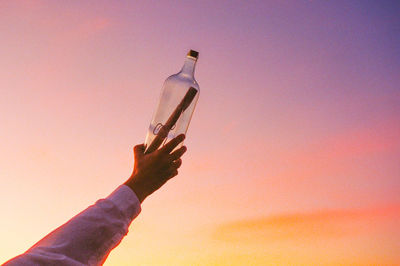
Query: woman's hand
{"type": "Point", "coordinates": [153, 170]}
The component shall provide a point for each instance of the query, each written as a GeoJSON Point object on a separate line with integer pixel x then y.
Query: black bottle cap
{"type": "Point", "coordinates": [193, 53]}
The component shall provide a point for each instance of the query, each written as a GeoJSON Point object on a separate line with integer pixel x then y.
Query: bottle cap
{"type": "Point", "coordinates": [194, 54]}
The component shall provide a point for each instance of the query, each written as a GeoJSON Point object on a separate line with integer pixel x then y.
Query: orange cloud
{"type": "Point", "coordinates": [329, 237]}
{"type": "Point", "coordinates": [319, 224]}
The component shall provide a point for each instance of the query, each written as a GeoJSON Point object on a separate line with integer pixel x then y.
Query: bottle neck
{"type": "Point", "coordinates": [188, 67]}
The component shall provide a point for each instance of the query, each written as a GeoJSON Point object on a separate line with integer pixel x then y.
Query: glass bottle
{"type": "Point", "coordinates": [178, 88]}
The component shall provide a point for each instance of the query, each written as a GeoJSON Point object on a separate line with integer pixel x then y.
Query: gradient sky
{"type": "Point", "coordinates": [293, 149]}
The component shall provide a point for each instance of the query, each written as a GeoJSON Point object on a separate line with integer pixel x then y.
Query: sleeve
{"type": "Point", "coordinates": [89, 237]}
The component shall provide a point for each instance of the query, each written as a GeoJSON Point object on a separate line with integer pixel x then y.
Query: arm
{"type": "Point", "coordinates": [89, 237]}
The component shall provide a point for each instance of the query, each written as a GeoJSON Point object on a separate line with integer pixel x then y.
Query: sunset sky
{"type": "Point", "coordinates": [293, 149]}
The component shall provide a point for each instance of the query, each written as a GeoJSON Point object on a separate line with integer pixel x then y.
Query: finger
{"type": "Point", "coordinates": [176, 164]}
{"type": "Point", "coordinates": [170, 146]}
{"type": "Point", "coordinates": [173, 173]}
{"type": "Point", "coordinates": [138, 151]}
{"type": "Point", "coordinates": [178, 153]}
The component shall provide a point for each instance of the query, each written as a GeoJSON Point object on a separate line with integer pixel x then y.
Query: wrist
{"type": "Point", "coordinates": [135, 186]}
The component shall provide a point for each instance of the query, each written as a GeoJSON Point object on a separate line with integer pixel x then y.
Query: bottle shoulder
{"type": "Point", "coordinates": [184, 80]}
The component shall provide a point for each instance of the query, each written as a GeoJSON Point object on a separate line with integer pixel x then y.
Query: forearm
{"type": "Point", "coordinates": [88, 237]}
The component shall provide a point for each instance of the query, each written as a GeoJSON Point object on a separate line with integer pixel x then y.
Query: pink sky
{"type": "Point", "coordinates": [293, 149]}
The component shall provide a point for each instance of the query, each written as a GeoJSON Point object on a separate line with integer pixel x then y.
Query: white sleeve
{"type": "Point", "coordinates": [89, 237]}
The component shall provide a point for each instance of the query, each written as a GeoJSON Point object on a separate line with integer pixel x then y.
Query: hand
{"type": "Point", "coordinates": [153, 170]}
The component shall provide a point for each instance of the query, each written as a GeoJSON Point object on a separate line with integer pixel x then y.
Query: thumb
{"type": "Point", "coordinates": [138, 151]}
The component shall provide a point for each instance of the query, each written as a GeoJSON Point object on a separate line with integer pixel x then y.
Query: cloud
{"type": "Point", "coordinates": [94, 26]}
{"type": "Point", "coordinates": [311, 226]}
{"type": "Point", "coordinates": [85, 29]}
{"type": "Point", "coordinates": [27, 4]}
{"type": "Point", "coordinates": [340, 154]}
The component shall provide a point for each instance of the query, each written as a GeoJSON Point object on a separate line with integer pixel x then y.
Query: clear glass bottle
{"type": "Point", "coordinates": [175, 89]}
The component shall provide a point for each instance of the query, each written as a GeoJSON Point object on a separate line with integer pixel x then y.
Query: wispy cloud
{"type": "Point", "coordinates": [338, 154]}
{"type": "Point", "coordinates": [28, 4]}
{"type": "Point", "coordinates": [94, 26]}
{"type": "Point", "coordinates": [327, 237]}
{"type": "Point", "coordinates": [318, 225]}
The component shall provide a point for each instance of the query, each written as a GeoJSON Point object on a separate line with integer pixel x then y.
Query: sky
{"type": "Point", "coordinates": [293, 149]}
